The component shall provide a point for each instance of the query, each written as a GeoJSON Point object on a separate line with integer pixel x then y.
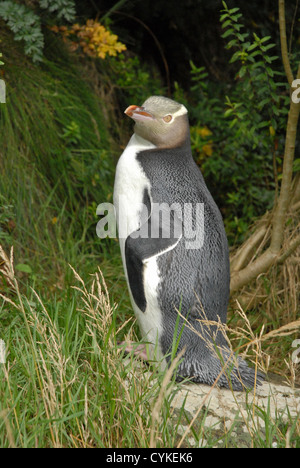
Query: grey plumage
{"type": "Point", "coordinates": [194, 281]}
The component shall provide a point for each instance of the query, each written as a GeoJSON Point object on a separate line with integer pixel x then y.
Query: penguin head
{"type": "Point", "coordinates": [161, 121]}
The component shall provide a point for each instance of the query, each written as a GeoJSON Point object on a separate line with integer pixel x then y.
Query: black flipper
{"type": "Point", "coordinates": [160, 232]}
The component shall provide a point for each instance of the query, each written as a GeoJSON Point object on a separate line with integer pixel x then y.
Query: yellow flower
{"type": "Point", "coordinates": [272, 131]}
{"type": "Point", "coordinates": [94, 39]}
{"type": "Point", "coordinates": [208, 149]}
{"type": "Point", "coordinates": [204, 132]}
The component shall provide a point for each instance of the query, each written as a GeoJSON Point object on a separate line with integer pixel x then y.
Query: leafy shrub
{"type": "Point", "coordinates": [93, 38]}
{"type": "Point", "coordinates": [133, 79]}
{"type": "Point", "coordinates": [26, 24]}
{"type": "Point", "coordinates": [7, 219]}
{"type": "Point", "coordinates": [55, 162]}
{"type": "Point", "coordinates": [238, 130]}
{"type": "Point", "coordinates": [257, 81]}
{"type": "Point", "coordinates": [63, 9]}
{"type": "Point", "coordinates": [26, 27]}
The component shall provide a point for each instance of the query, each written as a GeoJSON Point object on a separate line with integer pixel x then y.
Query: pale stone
{"type": "Point", "coordinates": [227, 406]}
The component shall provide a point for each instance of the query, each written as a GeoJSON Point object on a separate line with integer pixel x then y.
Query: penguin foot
{"type": "Point", "coordinates": [138, 350]}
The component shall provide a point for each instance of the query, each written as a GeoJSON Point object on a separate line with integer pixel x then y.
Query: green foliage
{"type": "Point", "coordinates": [26, 24]}
{"type": "Point", "coordinates": [26, 27]}
{"type": "Point", "coordinates": [7, 220]}
{"type": "Point", "coordinates": [245, 126]}
{"type": "Point", "coordinates": [133, 79]}
{"type": "Point", "coordinates": [296, 166]}
{"type": "Point", "coordinates": [56, 160]}
{"type": "Point", "coordinates": [63, 9]}
{"type": "Point", "coordinates": [1, 63]}
{"type": "Point", "coordinates": [66, 381]}
{"type": "Point", "coordinates": [257, 85]}
{"type": "Point", "coordinates": [55, 166]}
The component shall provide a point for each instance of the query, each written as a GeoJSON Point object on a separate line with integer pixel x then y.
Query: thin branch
{"type": "Point", "coordinates": [251, 271]}
{"type": "Point", "coordinates": [283, 42]}
{"type": "Point", "coordinates": [296, 188]}
{"type": "Point", "coordinates": [296, 206]}
{"type": "Point", "coordinates": [293, 246]}
{"type": "Point", "coordinates": [240, 258]}
{"type": "Point", "coordinates": [273, 254]}
{"type": "Point", "coordinates": [281, 209]}
{"type": "Point", "coordinates": [163, 57]}
{"type": "Point", "coordinates": [292, 27]}
{"type": "Point", "coordinates": [112, 10]}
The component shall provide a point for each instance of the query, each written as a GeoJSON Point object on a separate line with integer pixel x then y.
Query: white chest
{"type": "Point", "coordinates": [130, 184]}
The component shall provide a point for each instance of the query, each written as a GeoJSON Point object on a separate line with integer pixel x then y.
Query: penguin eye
{"type": "Point", "coordinates": [168, 118]}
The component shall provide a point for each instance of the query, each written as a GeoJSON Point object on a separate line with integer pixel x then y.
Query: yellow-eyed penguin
{"type": "Point", "coordinates": [174, 247]}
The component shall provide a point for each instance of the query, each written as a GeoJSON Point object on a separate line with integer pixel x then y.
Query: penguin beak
{"type": "Point", "coordinates": [138, 113]}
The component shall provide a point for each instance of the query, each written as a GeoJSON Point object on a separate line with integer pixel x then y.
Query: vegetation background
{"type": "Point", "coordinates": [70, 69]}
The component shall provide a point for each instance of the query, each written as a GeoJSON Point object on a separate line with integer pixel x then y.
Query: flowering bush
{"type": "Point", "coordinates": [93, 38]}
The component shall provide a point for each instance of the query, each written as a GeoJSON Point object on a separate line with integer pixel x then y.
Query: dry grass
{"type": "Point", "coordinates": [76, 385]}
{"type": "Point", "coordinates": [271, 303]}
{"type": "Point", "coordinates": [66, 382]}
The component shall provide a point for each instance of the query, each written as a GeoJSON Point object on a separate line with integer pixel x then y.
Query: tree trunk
{"type": "Point", "coordinates": [242, 272]}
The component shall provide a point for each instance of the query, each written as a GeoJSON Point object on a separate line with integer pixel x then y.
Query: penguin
{"type": "Point", "coordinates": [174, 249]}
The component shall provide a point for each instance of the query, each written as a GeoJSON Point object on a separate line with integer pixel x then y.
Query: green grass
{"type": "Point", "coordinates": [56, 165]}
{"type": "Point", "coordinates": [65, 382]}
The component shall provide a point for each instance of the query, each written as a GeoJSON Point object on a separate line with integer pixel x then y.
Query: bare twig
{"type": "Point", "coordinates": [292, 27]}
{"type": "Point", "coordinates": [292, 247]}
{"type": "Point", "coordinates": [240, 259]}
{"type": "Point", "coordinates": [273, 254]}
{"type": "Point", "coordinates": [9, 432]}
{"type": "Point", "coordinates": [283, 42]}
{"type": "Point", "coordinates": [166, 66]}
{"type": "Point", "coordinates": [287, 175]}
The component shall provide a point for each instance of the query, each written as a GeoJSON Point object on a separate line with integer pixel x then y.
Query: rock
{"type": "Point", "coordinates": [204, 416]}
{"type": "Point", "coordinates": [237, 413]}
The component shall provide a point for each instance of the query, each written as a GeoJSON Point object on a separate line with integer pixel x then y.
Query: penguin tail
{"type": "Point", "coordinates": [208, 357]}
{"type": "Point", "coordinates": [221, 368]}
{"type": "Point", "coordinates": [239, 376]}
